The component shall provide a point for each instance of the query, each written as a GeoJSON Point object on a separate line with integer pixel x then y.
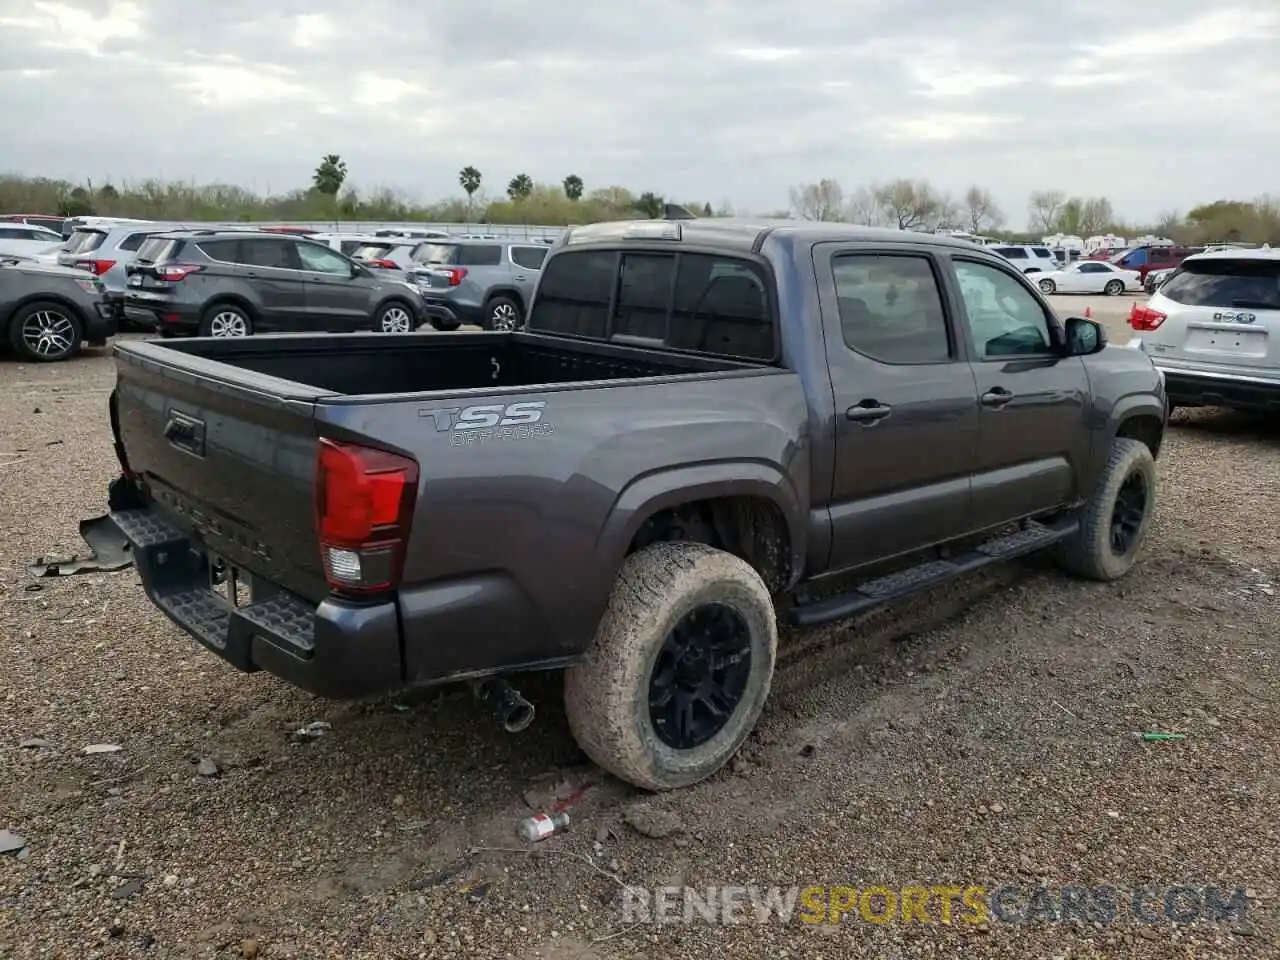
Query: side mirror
{"type": "Point", "coordinates": [1085, 337]}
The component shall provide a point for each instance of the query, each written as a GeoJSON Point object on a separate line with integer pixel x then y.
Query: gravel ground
{"type": "Point", "coordinates": [983, 734]}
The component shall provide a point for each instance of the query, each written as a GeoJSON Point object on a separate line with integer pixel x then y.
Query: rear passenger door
{"type": "Point", "coordinates": [1033, 435]}
{"type": "Point", "coordinates": [269, 267]}
{"type": "Point", "coordinates": [906, 406]}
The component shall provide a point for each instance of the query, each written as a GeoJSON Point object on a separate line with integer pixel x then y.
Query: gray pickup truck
{"type": "Point", "coordinates": [701, 424]}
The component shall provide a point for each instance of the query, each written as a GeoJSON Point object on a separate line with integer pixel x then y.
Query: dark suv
{"type": "Point", "coordinates": [47, 310]}
{"type": "Point", "coordinates": [230, 283]}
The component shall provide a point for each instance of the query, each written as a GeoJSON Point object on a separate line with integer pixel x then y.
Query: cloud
{"type": "Point", "coordinates": [695, 99]}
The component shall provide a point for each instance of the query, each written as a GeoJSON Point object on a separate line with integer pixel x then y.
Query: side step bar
{"type": "Point", "coordinates": [903, 583]}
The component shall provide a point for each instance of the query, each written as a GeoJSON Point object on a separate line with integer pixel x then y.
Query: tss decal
{"type": "Point", "coordinates": [486, 416]}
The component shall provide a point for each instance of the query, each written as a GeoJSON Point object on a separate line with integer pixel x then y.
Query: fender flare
{"type": "Point", "coordinates": [670, 487]}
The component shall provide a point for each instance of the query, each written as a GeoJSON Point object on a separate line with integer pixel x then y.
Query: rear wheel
{"type": "Point", "coordinates": [1113, 288]}
{"type": "Point", "coordinates": [446, 326]}
{"type": "Point", "coordinates": [1047, 286]}
{"type": "Point", "coordinates": [502, 313]}
{"type": "Point", "coordinates": [45, 332]}
{"type": "Point", "coordinates": [225, 320]}
{"type": "Point", "coordinates": [680, 667]}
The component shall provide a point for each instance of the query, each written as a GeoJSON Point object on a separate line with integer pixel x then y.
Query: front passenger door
{"type": "Point", "coordinates": [271, 269]}
{"type": "Point", "coordinates": [1034, 435]}
{"type": "Point", "coordinates": [337, 299]}
{"type": "Point", "coordinates": [906, 409]}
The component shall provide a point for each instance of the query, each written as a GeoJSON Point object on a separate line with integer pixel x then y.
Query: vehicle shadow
{"type": "Point", "coordinates": [1236, 424]}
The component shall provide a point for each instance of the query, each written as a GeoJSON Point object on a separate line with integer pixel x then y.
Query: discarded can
{"type": "Point", "coordinates": [543, 825]}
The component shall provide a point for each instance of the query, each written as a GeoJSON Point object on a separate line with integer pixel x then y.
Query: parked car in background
{"type": "Point", "coordinates": [345, 243]}
{"type": "Point", "coordinates": [393, 254]}
{"type": "Point", "coordinates": [1089, 276]}
{"type": "Point", "coordinates": [58, 225]}
{"type": "Point", "coordinates": [1029, 258]}
{"type": "Point", "coordinates": [485, 282]}
{"type": "Point", "coordinates": [411, 234]}
{"type": "Point", "coordinates": [1146, 258]}
{"type": "Point", "coordinates": [1156, 279]}
{"type": "Point", "coordinates": [225, 283]}
{"type": "Point", "coordinates": [1213, 328]}
{"type": "Point", "coordinates": [48, 311]}
{"type": "Point", "coordinates": [106, 250]}
{"type": "Point", "coordinates": [26, 239]}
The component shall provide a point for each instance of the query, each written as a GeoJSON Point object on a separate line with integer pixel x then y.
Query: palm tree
{"type": "Point", "coordinates": [520, 187]}
{"type": "Point", "coordinates": [469, 177]}
{"type": "Point", "coordinates": [573, 187]}
{"type": "Point", "coordinates": [330, 175]}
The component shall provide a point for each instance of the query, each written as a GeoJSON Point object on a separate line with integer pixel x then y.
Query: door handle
{"type": "Point", "coordinates": [996, 397]}
{"type": "Point", "coordinates": [522, 278]}
{"type": "Point", "coordinates": [867, 411]}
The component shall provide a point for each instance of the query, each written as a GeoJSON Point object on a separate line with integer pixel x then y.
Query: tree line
{"type": "Point", "coordinates": [904, 203]}
{"type": "Point", "coordinates": [918, 205]}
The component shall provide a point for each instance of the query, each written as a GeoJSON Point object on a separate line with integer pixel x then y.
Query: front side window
{"type": "Point", "coordinates": [323, 260]}
{"type": "Point", "coordinates": [1005, 319]}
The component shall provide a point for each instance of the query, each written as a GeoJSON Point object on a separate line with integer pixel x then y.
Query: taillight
{"type": "Point", "coordinates": [364, 507]}
{"type": "Point", "coordinates": [384, 264]}
{"type": "Point", "coordinates": [1145, 318]}
{"type": "Point", "coordinates": [456, 275]}
{"type": "Point", "coordinates": [177, 272]}
{"type": "Point", "coordinates": [96, 267]}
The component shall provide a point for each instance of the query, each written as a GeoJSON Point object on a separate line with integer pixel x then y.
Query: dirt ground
{"type": "Point", "coordinates": [985, 734]}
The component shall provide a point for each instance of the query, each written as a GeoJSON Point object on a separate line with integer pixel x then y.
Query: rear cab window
{"type": "Point", "coordinates": [712, 304]}
{"type": "Point", "coordinates": [1233, 283]}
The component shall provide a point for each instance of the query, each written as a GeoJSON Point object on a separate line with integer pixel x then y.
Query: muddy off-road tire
{"type": "Point", "coordinates": [1115, 521]}
{"type": "Point", "coordinates": [652, 653]}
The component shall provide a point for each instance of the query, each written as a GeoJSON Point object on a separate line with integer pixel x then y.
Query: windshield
{"type": "Point", "coordinates": [436, 253]}
{"type": "Point", "coordinates": [1226, 283]}
{"type": "Point", "coordinates": [85, 241]}
{"type": "Point", "coordinates": [1120, 254]}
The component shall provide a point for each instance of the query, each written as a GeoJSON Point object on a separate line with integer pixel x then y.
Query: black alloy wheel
{"type": "Point", "coordinates": [699, 676]}
{"type": "Point", "coordinates": [1127, 514]}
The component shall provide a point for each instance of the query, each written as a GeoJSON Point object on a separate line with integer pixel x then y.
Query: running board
{"type": "Point", "coordinates": [903, 583]}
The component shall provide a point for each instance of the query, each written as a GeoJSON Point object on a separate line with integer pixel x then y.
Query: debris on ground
{"type": "Point", "coordinates": [10, 842]}
{"type": "Point", "coordinates": [35, 743]}
{"type": "Point", "coordinates": [1163, 736]}
{"type": "Point", "coordinates": [207, 768]}
{"type": "Point", "coordinates": [95, 748]}
{"type": "Point", "coordinates": [108, 552]}
{"type": "Point", "coordinates": [650, 821]}
{"type": "Point", "coordinates": [313, 731]}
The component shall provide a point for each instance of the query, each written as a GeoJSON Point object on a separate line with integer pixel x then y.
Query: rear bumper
{"type": "Point", "coordinates": [155, 313]}
{"type": "Point", "coordinates": [1199, 388]}
{"type": "Point", "coordinates": [332, 649]}
{"type": "Point", "coordinates": [101, 322]}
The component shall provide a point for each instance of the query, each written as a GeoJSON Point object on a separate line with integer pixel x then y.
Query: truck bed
{"type": "Point", "coordinates": [365, 364]}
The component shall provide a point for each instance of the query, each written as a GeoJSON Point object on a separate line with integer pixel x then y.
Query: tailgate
{"type": "Point", "coordinates": [227, 459]}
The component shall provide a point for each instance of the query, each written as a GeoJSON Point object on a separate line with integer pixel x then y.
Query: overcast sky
{"type": "Point", "coordinates": [1157, 107]}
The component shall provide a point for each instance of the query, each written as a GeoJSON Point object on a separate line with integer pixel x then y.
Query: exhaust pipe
{"type": "Point", "coordinates": [513, 711]}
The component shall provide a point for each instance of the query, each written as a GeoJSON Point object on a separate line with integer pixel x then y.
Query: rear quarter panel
{"type": "Point", "coordinates": [519, 532]}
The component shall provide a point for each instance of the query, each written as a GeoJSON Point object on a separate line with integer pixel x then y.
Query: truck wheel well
{"type": "Point", "coordinates": [1144, 428]}
{"type": "Point", "coordinates": [752, 528]}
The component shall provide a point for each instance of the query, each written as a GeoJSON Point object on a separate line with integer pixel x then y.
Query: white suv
{"type": "Point", "coordinates": [1032, 258]}
{"type": "Point", "coordinates": [1213, 328]}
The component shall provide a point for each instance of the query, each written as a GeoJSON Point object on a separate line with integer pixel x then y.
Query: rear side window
{"type": "Point", "coordinates": [85, 241]}
{"type": "Point", "coordinates": [1240, 284]}
{"type": "Point", "coordinates": [1043, 253]}
{"type": "Point", "coordinates": [480, 255]}
{"type": "Point", "coordinates": [721, 306]}
{"type": "Point", "coordinates": [441, 253]}
{"type": "Point", "coordinates": [528, 257]}
{"type": "Point", "coordinates": [891, 308]}
{"type": "Point", "coordinates": [156, 249]}
{"type": "Point", "coordinates": [370, 251]}
{"type": "Point", "coordinates": [280, 254]}
{"type": "Point", "coordinates": [227, 251]}
{"type": "Point", "coordinates": [574, 294]}
{"type": "Point", "coordinates": [133, 241]}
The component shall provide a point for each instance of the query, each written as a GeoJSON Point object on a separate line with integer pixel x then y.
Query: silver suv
{"type": "Point", "coordinates": [485, 282]}
{"type": "Point", "coordinates": [105, 251]}
{"type": "Point", "coordinates": [1213, 328]}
